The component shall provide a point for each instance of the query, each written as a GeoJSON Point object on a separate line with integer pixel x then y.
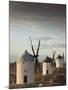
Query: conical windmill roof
{"type": "Point", "coordinates": [47, 59]}
{"type": "Point", "coordinates": [59, 57]}
{"type": "Point", "coordinates": [27, 56]}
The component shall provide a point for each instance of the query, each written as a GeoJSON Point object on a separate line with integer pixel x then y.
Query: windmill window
{"type": "Point", "coordinates": [25, 79]}
{"type": "Point", "coordinates": [47, 71]}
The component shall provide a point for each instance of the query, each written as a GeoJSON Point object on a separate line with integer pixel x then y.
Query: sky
{"type": "Point", "coordinates": [44, 22]}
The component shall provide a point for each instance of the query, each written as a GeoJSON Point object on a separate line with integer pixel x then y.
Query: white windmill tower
{"type": "Point", "coordinates": [59, 61]}
{"type": "Point", "coordinates": [47, 66]}
{"type": "Point", "coordinates": [25, 69]}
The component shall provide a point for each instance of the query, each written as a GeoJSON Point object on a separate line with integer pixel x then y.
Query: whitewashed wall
{"type": "Point", "coordinates": [19, 72]}
{"type": "Point", "coordinates": [47, 66]}
{"type": "Point", "coordinates": [29, 67]}
{"type": "Point", "coordinates": [21, 68]}
{"type": "Point", "coordinates": [59, 63]}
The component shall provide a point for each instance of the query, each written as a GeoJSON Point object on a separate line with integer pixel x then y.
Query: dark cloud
{"type": "Point", "coordinates": [38, 9]}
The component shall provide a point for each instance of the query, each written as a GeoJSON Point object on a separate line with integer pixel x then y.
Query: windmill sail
{"type": "Point", "coordinates": [37, 66]}
{"type": "Point", "coordinates": [32, 46]}
{"type": "Point", "coordinates": [38, 48]}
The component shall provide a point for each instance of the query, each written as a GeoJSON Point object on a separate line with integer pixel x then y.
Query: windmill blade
{"type": "Point", "coordinates": [38, 48]}
{"type": "Point", "coordinates": [54, 52]}
{"type": "Point", "coordinates": [32, 46]}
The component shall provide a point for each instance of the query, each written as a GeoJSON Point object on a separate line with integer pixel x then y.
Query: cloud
{"type": "Point", "coordinates": [44, 38]}
{"type": "Point", "coordinates": [51, 41]}
{"type": "Point", "coordinates": [59, 45]}
{"type": "Point", "coordinates": [52, 46]}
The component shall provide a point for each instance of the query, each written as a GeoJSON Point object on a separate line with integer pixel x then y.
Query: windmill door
{"type": "Point", "coordinates": [25, 79]}
{"type": "Point", "coordinates": [47, 71]}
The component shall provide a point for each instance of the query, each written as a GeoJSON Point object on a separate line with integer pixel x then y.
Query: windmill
{"type": "Point", "coordinates": [35, 56]}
